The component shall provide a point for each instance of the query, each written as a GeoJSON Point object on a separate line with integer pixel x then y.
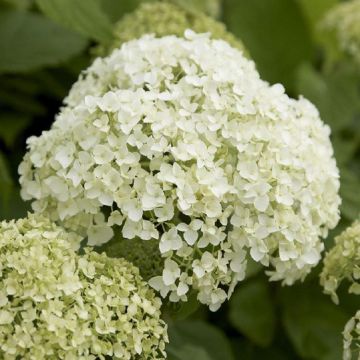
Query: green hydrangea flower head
{"type": "Point", "coordinates": [343, 262]}
{"type": "Point", "coordinates": [342, 24]}
{"type": "Point", "coordinates": [143, 254]}
{"type": "Point", "coordinates": [352, 338]}
{"type": "Point", "coordinates": [56, 304]}
{"type": "Point", "coordinates": [164, 18]}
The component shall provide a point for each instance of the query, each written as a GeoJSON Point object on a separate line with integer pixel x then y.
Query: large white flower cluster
{"type": "Point", "coordinates": [178, 139]}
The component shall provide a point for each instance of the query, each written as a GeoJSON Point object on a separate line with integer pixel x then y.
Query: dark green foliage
{"type": "Point", "coordinates": [275, 34]}
{"type": "Point", "coordinates": [313, 323]}
{"type": "Point", "coordinates": [252, 312]}
{"type": "Point", "coordinates": [198, 338]}
{"type": "Point", "coordinates": [29, 41]}
{"type": "Point", "coordinates": [83, 16]}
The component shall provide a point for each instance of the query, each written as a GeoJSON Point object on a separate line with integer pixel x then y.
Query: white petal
{"type": "Point", "coordinates": [261, 203]}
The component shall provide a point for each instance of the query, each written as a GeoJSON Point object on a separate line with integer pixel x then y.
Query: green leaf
{"type": "Point", "coordinates": [21, 102]}
{"type": "Point", "coordinates": [14, 207]}
{"type": "Point", "coordinates": [350, 185]}
{"type": "Point", "coordinates": [281, 349]}
{"type": "Point", "coordinates": [84, 16]}
{"type": "Point", "coordinates": [314, 324]}
{"type": "Point", "coordinates": [116, 9]}
{"type": "Point", "coordinates": [182, 310]}
{"type": "Point", "coordinates": [5, 179]}
{"type": "Point", "coordinates": [314, 10]}
{"type": "Point", "coordinates": [335, 94]}
{"type": "Point", "coordinates": [11, 125]}
{"type": "Point", "coordinates": [11, 205]}
{"type": "Point", "coordinates": [209, 342]}
{"type": "Point", "coordinates": [17, 4]}
{"type": "Point", "coordinates": [276, 34]}
{"type": "Point", "coordinates": [29, 41]}
{"type": "Point", "coordinates": [345, 148]}
{"type": "Point", "coordinates": [252, 312]}
{"type": "Point", "coordinates": [253, 267]}
{"type": "Point", "coordinates": [187, 352]}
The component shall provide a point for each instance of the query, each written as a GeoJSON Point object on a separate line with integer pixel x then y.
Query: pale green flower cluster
{"type": "Point", "coordinates": [55, 304]}
{"type": "Point", "coordinates": [164, 18]}
{"type": "Point", "coordinates": [343, 21]}
{"type": "Point", "coordinates": [340, 263]}
{"type": "Point", "coordinates": [343, 262]}
{"type": "Point", "coordinates": [352, 338]}
{"type": "Point", "coordinates": [179, 140]}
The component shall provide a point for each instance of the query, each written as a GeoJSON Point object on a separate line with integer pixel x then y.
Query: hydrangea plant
{"type": "Point", "coordinates": [343, 23]}
{"type": "Point", "coordinates": [179, 140]}
{"type": "Point", "coordinates": [55, 304]}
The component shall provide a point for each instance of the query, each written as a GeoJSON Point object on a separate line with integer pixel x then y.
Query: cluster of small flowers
{"type": "Point", "coordinates": [343, 262]}
{"type": "Point", "coordinates": [59, 305]}
{"type": "Point", "coordinates": [164, 18]}
{"type": "Point", "coordinates": [178, 139]}
{"type": "Point", "coordinates": [352, 338]}
{"type": "Point", "coordinates": [344, 22]}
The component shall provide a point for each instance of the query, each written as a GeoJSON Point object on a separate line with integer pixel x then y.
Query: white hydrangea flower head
{"type": "Point", "coordinates": [343, 21]}
{"type": "Point", "coordinates": [343, 262]}
{"type": "Point", "coordinates": [55, 304]}
{"type": "Point", "coordinates": [352, 338]}
{"type": "Point", "coordinates": [178, 139]}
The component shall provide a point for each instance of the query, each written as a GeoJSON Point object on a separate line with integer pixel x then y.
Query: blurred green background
{"type": "Point", "coordinates": [44, 44]}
